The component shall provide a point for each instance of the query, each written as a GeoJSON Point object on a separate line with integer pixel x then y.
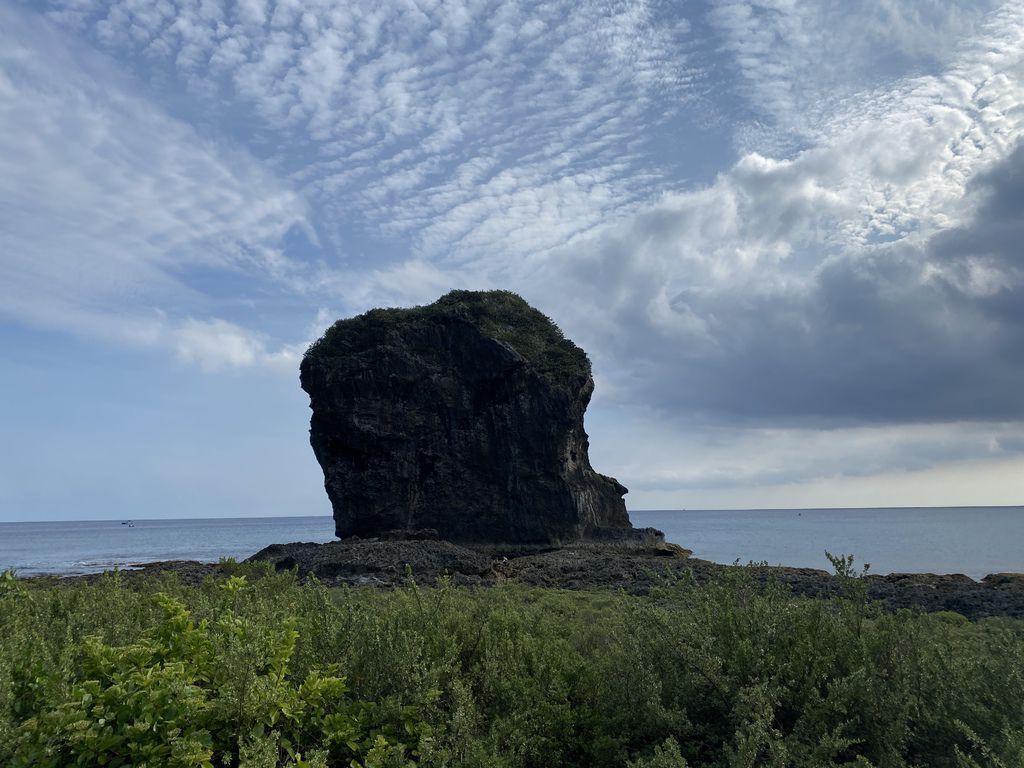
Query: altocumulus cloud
{"type": "Point", "coordinates": [839, 295]}
{"type": "Point", "coordinates": [455, 128]}
{"type": "Point", "coordinates": [107, 200]}
{"type": "Point", "coordinates": [850, 310]}
{"type": "Point", "coordinates": [798, 62]}
{"type": "Point", "coordinates": [831, 288]}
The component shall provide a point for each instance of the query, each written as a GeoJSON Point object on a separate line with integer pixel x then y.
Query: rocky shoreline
{"type": "Point", "coordinates": [386, 563]}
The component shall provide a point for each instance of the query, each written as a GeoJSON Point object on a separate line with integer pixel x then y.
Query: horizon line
{"type": "Point", "coordinates": [665, 509]}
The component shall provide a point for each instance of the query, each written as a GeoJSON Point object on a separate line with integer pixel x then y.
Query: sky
{"type": "Point", "coordinates": [788, 234]}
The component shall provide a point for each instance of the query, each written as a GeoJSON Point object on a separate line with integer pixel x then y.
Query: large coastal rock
{"type": "Point", "coordinates": [464, 417]}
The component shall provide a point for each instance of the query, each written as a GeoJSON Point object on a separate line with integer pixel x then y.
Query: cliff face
{"type": "Point", "coordinates": [465, 417]}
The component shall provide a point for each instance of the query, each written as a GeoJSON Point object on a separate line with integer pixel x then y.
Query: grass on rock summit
{"type": "Point", "coordinates": [500, 315]}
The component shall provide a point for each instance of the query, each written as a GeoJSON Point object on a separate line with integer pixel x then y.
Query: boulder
{"type": "Point", "coordinates": [463, 417]}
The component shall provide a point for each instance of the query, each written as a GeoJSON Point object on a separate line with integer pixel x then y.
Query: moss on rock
{"type": "Point", "coordinates": [501, 315]}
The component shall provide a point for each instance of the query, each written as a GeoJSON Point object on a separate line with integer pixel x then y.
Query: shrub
{"type": "Point", "coordinates": [198, 694]}
{"type": "Point", "coordinates": [260, 671]}
{"type": "Point", "coordinates": [501, 315]}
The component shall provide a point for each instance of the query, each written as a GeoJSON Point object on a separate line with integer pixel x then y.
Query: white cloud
{"type": "Point", "coordinates": [982, 482]}
{"type": "Point", "coordinates": [685, 458]}
{"type": "Point", "coordinates": [671, 463]}
{"type": "Point", "coordinates": [216, 345]}
{"type": "Point", "coordinates": [497, 144]}
{"type": "Point", "coordinates": [804, 287]}
{"type": "Point", "coordinates": [451, 124]}
{"type": "Point", "coordinates": [886, 165]}
{"type": "Point", "coordinates": [799, 62]}
{"type": "Point", "coordinates": [106, 202]}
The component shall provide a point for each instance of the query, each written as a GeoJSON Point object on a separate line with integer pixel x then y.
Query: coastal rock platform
{"type": "Point", "coordinates": [634, 568]}
{"type": "Point", "coordinates": [637, 570]}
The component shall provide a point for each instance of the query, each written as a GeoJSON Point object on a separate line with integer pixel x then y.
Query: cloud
{"type": "Point", "coordinates": [799, 62]}
{"type": "Point", "coordinates": [461, 128]}
{"type": "Point", "coordinates": [831, 288]}
{"type": "Point", "coordinates": [814, 291]}
{"type": "Point", "coordinates": [985, 482]}
{"type": "Point", "coordinates": [812, 321]}
{"type": "Point", "coordinates": [845, 287]}
{"type": "Point", "coordinates": [981, 259]}
{"type": "Point", "coordinates": [108, 205]}
{"type": "Point", "coordinates": [217, 345]}
{"type": "Point", "coordinates": [659, 456]}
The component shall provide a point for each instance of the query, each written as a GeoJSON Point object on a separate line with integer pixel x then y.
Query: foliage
{"type": "Point", "coordinates": [501, 315]}
{"type": "Point", "coordinates": [727, 675]}
{"type": "Point", "coordinates": [192, 695]}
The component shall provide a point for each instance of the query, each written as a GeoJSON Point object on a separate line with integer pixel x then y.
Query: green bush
{"type": "Point", "coordinates": [724, 675]}
{"type": "Point", "coordinates": [187, 694]}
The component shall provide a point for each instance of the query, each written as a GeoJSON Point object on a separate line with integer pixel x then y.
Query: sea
{"type": "Point", "coordinates": [971, 540]}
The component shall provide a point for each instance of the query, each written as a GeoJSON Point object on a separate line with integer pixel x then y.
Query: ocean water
{"type": "Point", "coordinates": [972, 540]}
{"type": "Point", "coordinates": [89, 546]}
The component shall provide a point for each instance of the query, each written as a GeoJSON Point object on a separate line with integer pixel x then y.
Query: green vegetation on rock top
{"type": "Point", "coordinates": [501, 315]}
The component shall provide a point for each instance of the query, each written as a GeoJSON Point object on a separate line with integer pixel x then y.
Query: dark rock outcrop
{"type": "Point", "coordinates": [463, 417]}
{"type": "Point", "coordinates": [375, 562]}
{"type": "Point", "coordinates": [636, 568]}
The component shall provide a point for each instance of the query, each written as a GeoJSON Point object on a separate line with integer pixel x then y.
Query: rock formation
{"type": "Point", "coordinates": [463, 417]}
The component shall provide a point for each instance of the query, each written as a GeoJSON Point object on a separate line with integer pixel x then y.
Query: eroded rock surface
{"type": "Point", "coordinates": [464, 417]}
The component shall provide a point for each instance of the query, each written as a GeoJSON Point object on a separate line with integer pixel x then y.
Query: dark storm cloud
{"type": "Point", "coordinates": [996, 235]}
{"type": "Point", "coordinates": [889, 333]}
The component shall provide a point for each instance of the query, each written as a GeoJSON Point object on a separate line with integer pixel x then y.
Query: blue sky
{"type": "Point", "coordinates": [786, 232]}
